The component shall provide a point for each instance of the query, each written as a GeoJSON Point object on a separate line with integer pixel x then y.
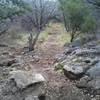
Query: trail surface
{"type": "Point", "coordinates": [50, 49]}
{"type": "Point", "coordinates": [57, 86]}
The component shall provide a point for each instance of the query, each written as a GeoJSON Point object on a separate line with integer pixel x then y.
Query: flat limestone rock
{"type": "Point", "coordinates": [30, 97]}
{"type": "Point", "coordinates": [24, 78]}
{"type": "Point", "coordinates": [73, 72]}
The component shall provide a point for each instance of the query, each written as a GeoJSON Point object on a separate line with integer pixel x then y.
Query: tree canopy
{"type": "Point", "coordinates": [10, 8]}
{"type": "Point", "coordinates": [76, 15]}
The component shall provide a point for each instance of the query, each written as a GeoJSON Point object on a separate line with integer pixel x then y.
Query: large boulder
{"type": "Point", "coordinates": [87, 52]}
{"type": "Point", "coordinates": [22, 85]}
{"type": "Point", "coordinates": [82, 64]}
{"type": "Point", "coordinates": [24, 78]}
{"type": "Point", "coordinates": [91, 82]}
{"type": "Point", "coordinates": [80, 61]}
{"type": "Point", "coordinates": [94, 74]}
{"type": "Point", "coordinates": [94, 71]}
{"type": "Point", "coordinates": [83, 82]}
{"type": "Point", "coordinates": [94, 84]}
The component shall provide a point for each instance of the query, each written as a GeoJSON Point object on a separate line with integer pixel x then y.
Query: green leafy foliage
{"type": "Point", "coordinates": [89, 25]}
{"type": "Point", "coordinates": [76, 16]}
{"type": "Point", "coordinates": [10, 8]}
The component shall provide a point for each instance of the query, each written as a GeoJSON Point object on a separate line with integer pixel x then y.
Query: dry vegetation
{"type": "Point", "coordinates": [16, 36]}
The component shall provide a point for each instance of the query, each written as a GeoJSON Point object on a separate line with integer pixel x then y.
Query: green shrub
{"type": "Point", "coordinates": [89, 25]}
{"type": "Point", "coordinates": [59, 66]}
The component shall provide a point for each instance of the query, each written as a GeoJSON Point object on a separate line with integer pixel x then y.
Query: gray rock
{"type": "Point", "coordinates": [77, 67]}
{"type": "Point", "coordinates": [94, 84]}
{"type": "Point", "coordinates": [87, 52]}
{"type": "Point", "coordinates": [80, 61]}
{"type": "Point", "coordinates": [94, 72]}
{"type": "Point", "coordinates": [24, 78]}
{"type": "Point", "coordinates": [69, 50]}
{"type": "Point", "coordinates": [73, 72]}
{"type": "Point", "coordinates": [82, 83]}
{"type": "Point", "coordinates": [22, 85]}
{"type": "Point", "coordinates": [9, 91]}
{"type": "Point", "coordinates": [7, 62]}
{"type": "Point", "coordinates": [30, 97]}
{"type": "Point", "coordinates": [59, 57]}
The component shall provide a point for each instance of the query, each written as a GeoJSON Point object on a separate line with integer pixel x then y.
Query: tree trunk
{"type": "Point", "coordinates": [36, 38]}
{"type": "Point", "coordinates": [65, 23]}
{"type": "Point", "coordinates": [72, 37]}
{"type": "Point", "coordinates": [32, 41]}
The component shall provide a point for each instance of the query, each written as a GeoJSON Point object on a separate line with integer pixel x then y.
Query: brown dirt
{"type": "Point", "coordinates": [47, 57]}
{"type": "Point", "coordinates": [57, 85]}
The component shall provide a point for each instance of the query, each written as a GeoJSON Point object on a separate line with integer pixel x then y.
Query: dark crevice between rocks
{"type": "Point", "coordinates": [8, 63]}
{"type": "Point", "coordinates": [42, 97]}
{"type": "Point", "coordinates": [72, 76]}
{"type": "Point", "coordinates": [87, 61]}
{"type": "Point", "coordinates": [3, 45]}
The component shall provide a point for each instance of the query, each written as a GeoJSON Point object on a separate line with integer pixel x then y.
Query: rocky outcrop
{"type": "Point", "coordinates": [8, 62]}
{"type": "Point", "coordinates": [22, 85]}
{"type": "Point", "coordinates": [24, 79]}
{"type": "Point", "coordinates": [82, 65]}
{"type": "Point", "coordinates": [81, 61]}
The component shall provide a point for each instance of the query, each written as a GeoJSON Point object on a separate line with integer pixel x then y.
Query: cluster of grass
{"type": "Point", "coordinates": [56, 28]}
{"type": "Point", "coordinates": [63, 38]}
{"type": "Point", "coordinates": [17, 36]}
{"type": "Point", "coordinates": [45, 33]}
{"type": "Point", "coordinates": [59, 66]}
{"type": "Point", "coordinates": [22, 38]}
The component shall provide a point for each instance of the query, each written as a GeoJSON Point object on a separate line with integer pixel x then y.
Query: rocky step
{"type": "Point", "coordinates": [23, 85]}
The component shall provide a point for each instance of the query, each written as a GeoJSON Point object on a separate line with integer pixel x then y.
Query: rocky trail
{"type": "Point", "coordinates": [51, 72]}
{"type": "Point", "coordinates": [47, 57]}
{"type": "Point", "coordinates": [41, 61]}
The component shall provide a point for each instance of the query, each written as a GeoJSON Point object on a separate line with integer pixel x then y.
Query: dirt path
{"type": "Point", "coordinates": [57, 86]}
{"type": "Point", "coordinates": [47, 57]}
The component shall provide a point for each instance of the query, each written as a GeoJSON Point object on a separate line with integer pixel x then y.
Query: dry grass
{"type": "Point", "coordinates": [16, 36]}
{"type": "Point", "coordinates": [55, 28]}
{"type": "Point", "coordinates": [22, 39]}
{"type": "Point", "coordinates": [63, 38]}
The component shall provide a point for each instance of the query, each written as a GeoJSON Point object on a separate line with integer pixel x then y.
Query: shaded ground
{"type": "Point", "coordinates": [47, 56]}
{"type": "Point", "coordinates": [57, 86]}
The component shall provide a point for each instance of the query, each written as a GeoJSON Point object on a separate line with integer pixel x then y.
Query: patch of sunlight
{"type": "Point", "coordinates": [22, 39]}
{"type": "Point", "coordinates": [45, 33]}
{"type": "Point", "coordinates": [63, 38]}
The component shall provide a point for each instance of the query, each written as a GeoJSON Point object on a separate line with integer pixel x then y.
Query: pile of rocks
{"type": "Point", "coordinates": [82, 65]}
{"type": "Point", "coordinates": [22, 85]}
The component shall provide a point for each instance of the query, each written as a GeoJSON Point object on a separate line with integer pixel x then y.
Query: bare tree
{"type": "Point", "coordinates": [42, 12]}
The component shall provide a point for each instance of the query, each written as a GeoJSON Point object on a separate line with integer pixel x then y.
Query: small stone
{"type": "Point", "coordinates": [82, 83]}
{"type": "Point", "coordinates": [30, 97]}
{"type": "Point", "coordinates": [92, 96]}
